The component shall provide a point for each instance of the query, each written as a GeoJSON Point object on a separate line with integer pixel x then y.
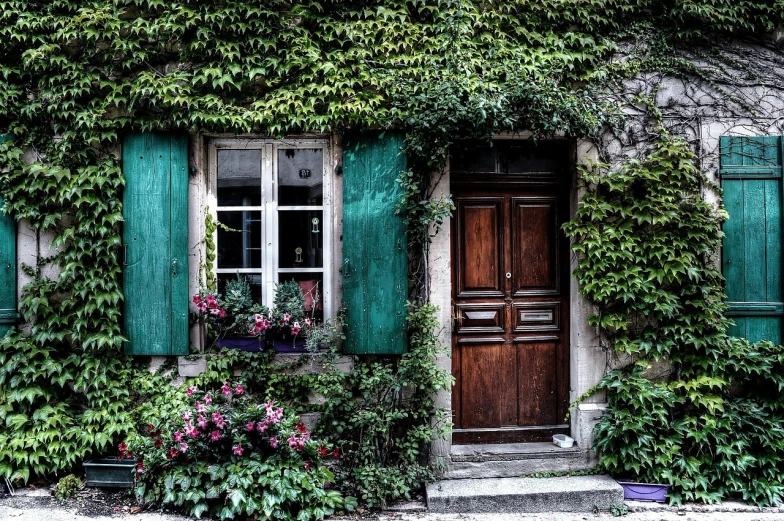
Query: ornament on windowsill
{"type": "Point", "coordinates": [315, 222]}
{"type": "Point", "coordinates": [298, 253]}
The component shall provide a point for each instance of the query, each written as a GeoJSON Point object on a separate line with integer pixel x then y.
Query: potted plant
{"type": "Point", "coordinates": [288, 319]}
{"type": "Point", "coordinates": [233, 319]}
{"type": "Point", "coordinates": [112, 472]}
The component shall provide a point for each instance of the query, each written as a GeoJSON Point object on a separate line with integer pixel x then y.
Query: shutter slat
{"type": "Point", "coordinates": [375, 248]}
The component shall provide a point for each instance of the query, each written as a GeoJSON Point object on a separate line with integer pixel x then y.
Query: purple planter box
{"type": "Point", "coordinates": [290, 345]}
{"type": "Point", "coordinates": [241, 343]}
{"type": "Point", "coordinates": [644, 491]}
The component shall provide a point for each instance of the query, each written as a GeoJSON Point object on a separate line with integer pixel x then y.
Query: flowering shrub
{"type": "Point", "coordinates": [226, 455]}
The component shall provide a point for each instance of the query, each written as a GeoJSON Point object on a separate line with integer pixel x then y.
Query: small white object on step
{"type": "Point", "coordinates": [563, 441]}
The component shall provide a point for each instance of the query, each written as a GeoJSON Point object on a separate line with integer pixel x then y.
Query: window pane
{"type": "Point", "coordinates": [311, 285]}
{"type": "Point", "coordinates": [239, 177]}
{"type": "Point", "coordinates": [300, 176]}
{"type": "Point", "coordinates": [300, 239]}
{"type": "Point", "coordinates": [254, 280]}
{"type": "Point", "coordinates": [465, 158]}
{"type": "Point", "coordinates": [239, 247]}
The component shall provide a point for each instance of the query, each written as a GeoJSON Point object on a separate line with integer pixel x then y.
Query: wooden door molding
{"type": "Point", "coordinates": [479, 226]}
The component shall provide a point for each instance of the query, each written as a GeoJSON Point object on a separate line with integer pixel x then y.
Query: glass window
{"type": "Point", "coordinates": [272, 200]}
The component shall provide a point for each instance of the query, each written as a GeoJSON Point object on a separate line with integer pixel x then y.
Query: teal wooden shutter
{"type": "Point", "coordinates": [375, 258]}
{"type": "Point", "coordinates": [751, 173]}
{"type": "Point", "coordinates": [155, 240]}
{"type": "Point", "coordinates": [8, 314]}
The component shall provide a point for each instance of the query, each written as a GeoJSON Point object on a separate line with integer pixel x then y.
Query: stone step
{"type": "Point", "coordinates": [509, 460]}
{"type": "Point", "coordinates": [523, 495]}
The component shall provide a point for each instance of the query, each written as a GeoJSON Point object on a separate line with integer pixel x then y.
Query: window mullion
{"type": "Point", "coordinates": [269, 238]}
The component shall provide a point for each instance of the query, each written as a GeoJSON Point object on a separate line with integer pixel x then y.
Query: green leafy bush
{"type": "Point", "coordinates": [67, 487]}
{"type": "Point", "coordinates": [226, 455]}
{"type": "Point", "coordinates": [380, 415]}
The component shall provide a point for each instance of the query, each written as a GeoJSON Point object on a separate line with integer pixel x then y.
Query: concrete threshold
{"type": "Point", "coordinates": [524, 495]}
{"type": "Point", "coordinates": [508, 460]}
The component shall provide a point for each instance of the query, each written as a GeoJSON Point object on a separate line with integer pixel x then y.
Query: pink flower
{"type": "Point", "coordinates": [191, 431]}
{"type": "Point", "coordinates": [215, 435]}
{"type": "Point", "coordinates": [258, 318]}
{"type": "Point", "coordinates": [122, 447]}
{"type": "Point", "coordinates": [202, 422]}
{"type": "Point", "coordinates": [198, 406]}
{"type": "Point", "coordinates": [307, 465]}
{"type": "Point", "coordinates": [295, 442]}
{"type": "Point", "coordinates": [323, 451]}
{"type": "Point", "coordinates": [273, 443]}
{"type": "Point", "coordinates": [301, 428]}
{"type": "Point", "coordinates": [250, 426]}
{"type": "Point", "coordinates": [262, 426]}
{"type": "Point", "coordinates": [207, 399]}
{"type": "Point", "coordinates": [295, 329]}
{"type": "Point", "coordinates": [183, 447]}
{"type": "Point", "coordinates": [172, 453]}
{"type": "Point", "coordinates": [222, 313]}
{"type": "Point", "coordinates": [237, 449]}
{"type": "Point", "coordinates": [226, 389]}
{"type": "Point", "coordinates": [286, 317]}
{"type": "Point", "coordinates": [307, 321]}
{"type": "Point", "coordinates": [239, 389]}
{"type": "Point", "coordinates": [196, 299]}
{"type": "Point", "coordinates": [202, 307]}
{"type": "Point", "coordinates": [214, 311]}
{"type": "Point", "coordinates": [218, 420]}
{"type": "Point", "coordinates": [177, 436]}
{"type": "Point", "coordinates": [186, 417]}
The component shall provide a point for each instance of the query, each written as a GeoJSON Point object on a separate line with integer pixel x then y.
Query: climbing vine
{"type": "Point", "coordinates": [77, 74]}
{"type": "Point", "coordinates": [690, 406]}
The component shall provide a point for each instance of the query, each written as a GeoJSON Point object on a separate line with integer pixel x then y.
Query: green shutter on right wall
{"type": "Point", "coordinates": [375, 258]}
{"type": "Point", "coordinates": [751, 177]}
{"type": "Point", "coordinates": [8, 312]}
{"type": "Point", "coordinates": [155, 243]}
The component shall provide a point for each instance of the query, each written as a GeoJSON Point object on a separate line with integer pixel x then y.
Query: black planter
{"type": "Point", "coordinates": [110, 472]}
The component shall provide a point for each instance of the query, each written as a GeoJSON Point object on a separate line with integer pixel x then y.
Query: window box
{"type": "Point", "coordinates": [110, 472]}
{"type": "Point", "coordinates": [290, 345]}
{"type": "Point", "coordinates": [644, 491]}
{"type": "Point", "coordinates": [242, 343]}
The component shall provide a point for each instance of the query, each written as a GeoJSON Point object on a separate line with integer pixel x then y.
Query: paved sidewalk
{"type": "Point", "coordinates": [45, 508]}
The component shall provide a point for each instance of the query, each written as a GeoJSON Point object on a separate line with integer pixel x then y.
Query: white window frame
{"type": "Point", "coordinates": [270, 272]}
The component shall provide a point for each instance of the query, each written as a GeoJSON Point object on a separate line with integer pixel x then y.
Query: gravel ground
{"type": "Point", "coordinates": [99, 505]}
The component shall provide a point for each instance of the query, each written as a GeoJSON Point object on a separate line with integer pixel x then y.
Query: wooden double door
{"type": "Point", "coordinates": [510, 289]}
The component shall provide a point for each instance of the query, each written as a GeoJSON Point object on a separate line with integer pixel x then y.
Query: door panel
{"type": "Point", "coordinates": [511, 310]}
{"type": "Point", "coordinates": [537, 405]}
{"type": "Point", "coordinates": [479, 226]}
{"type": "Point", "coordinates": [535, 246]}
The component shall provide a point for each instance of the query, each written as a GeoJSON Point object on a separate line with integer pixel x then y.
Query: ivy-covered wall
{"type": "Point", "coordinates": [76, 75]}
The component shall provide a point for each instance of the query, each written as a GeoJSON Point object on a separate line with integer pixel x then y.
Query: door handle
{"type": "Point", "coordinates": [346, 269]}
{"type": "Point", "coordinates": [174, 268]}
{"type": "Point", "coordinates": [125, 255]}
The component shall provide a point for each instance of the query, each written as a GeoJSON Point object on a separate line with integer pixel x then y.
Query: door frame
{"type": "Point", "coordinates": [587, 360]}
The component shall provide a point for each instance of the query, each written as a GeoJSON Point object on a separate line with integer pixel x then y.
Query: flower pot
{"type": "Point", "coordinates": [644, 491]}
{"type": "Point", "coordinates": [290, 345]}
{"type": "Point", "coordinates": [241, 343]}
{"type": "Point", "coordinates": [110, 472]}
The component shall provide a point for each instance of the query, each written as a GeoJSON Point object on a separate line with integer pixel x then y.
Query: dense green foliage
{"type": "Point", "coordinates": [77, 74]}
{"type": "Point", "coordinates": [380, 415]}
{"type": "Point", "coordinates": [709, 421]}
